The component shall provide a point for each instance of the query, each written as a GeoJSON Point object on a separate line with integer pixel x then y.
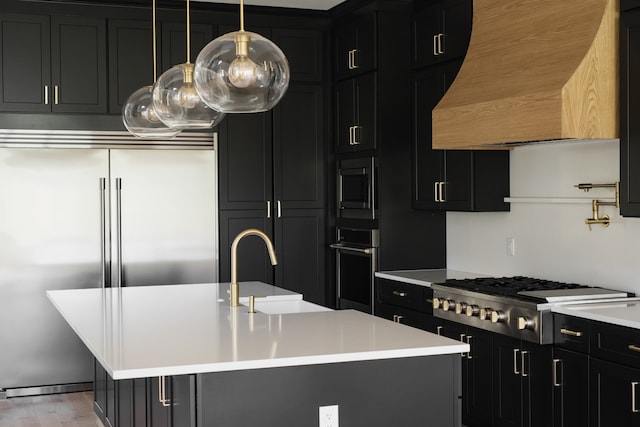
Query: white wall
{"type": "Point", "coordinates": [551, 239]}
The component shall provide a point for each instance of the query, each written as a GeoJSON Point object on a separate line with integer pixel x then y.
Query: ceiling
{"type": "Point", "coordinates": [298, 4]}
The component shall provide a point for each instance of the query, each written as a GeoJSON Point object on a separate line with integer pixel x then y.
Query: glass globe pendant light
{"type": "Point", "coordinates": [138, 113]}
{"type": "Point", "coordinates": [241, 72]}
{"type": "Point", "coordinates": [176, 100]}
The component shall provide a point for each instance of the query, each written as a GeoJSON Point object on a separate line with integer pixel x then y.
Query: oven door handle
{"type": "Point", "coordinates": [367, 251]}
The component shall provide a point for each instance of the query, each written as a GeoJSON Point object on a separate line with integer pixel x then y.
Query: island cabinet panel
{"type": "Point", "coordinates": [614, 394]}
{"type": "Point", "coordinates": [570, 388]}
{"type": "Point", "coordinates": [380, 393]}
{"type": "Point", "coordinates": [272, 170]}
{"type": "Point", "coordinates": [53, 64]}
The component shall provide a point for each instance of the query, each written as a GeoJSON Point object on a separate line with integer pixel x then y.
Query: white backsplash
{"type": "Point", "coordinates": [551, 239]}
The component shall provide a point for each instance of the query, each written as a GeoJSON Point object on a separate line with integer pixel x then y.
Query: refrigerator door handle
{"type": "Point", "coordinates": [103, 231]}
{"type": "Point", "coordinates": [119, 231]}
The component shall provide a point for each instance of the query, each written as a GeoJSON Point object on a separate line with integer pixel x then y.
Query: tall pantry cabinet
{"type": "Point", "coordinates": [272, 177]}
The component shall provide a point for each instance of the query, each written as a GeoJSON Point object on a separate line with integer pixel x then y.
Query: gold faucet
{"type": "Point", "coordinates": [234, 289]}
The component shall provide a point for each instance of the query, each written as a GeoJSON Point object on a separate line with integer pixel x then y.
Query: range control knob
{"type": "Point", "coordinates": [497, 316]}
{"type": "Point", "coordinates": [485, 313]}
{"type": "Point", "coordinates": [525, 323]}
{"type": "Point", "coordinates": [437, 302]}
{"type": "Point", "coordinates": [473, 310]}
{"type": "Point", "coordinates": [448, 304]}
{"type": "Point", "coordinates": [461, 307]}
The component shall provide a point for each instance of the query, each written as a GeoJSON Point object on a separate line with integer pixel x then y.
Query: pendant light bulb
{"type": "Point", "coordinates": [243, 72]}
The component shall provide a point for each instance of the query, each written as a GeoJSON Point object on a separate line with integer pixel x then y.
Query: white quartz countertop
{"type": "Point", "coordinates": [623, 311]}
{"type": "Point", "coordinates": [425, 277]}
{"type": "Point", "coordinates": [148, 331]}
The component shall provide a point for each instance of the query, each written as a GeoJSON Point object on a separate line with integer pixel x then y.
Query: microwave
{"type": "Point", "coordinates": [356, 191]}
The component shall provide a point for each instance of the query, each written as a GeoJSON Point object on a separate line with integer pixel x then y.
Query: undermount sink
{"type": "Point", "coordinates": [283, 307]}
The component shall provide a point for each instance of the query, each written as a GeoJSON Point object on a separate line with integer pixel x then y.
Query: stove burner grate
{"type": "Point", "coordinates": [509, 286]}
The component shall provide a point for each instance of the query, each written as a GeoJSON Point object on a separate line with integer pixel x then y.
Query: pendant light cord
{"type": "Point", "coordinates": [188, 33]}
{"type": "Point", "coordinates": [155, 70]}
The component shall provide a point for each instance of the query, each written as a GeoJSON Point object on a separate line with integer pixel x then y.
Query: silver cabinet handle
{"type": "Point", "coordinates": [353, 135]}
{"type": "Point", "coordinates": [279, 208]}
{"type": "Point", "coordinates": [439, 330]}
{"type": "Point", "coordinates": [435, 45]}
{"type": "Point", "coordinates": [440, 192]}
{"type": "Point", "coordinates": [522, 361]}
{"type": "Point", "coordinates": [469, 355]}
{"type": "Point", "coordinates": [633, 397]}
{"type": "Point", "coordinates": [46, 94]}
{"type": "Point", "coordinates": [268, 208]}
{"type": "Point", "coordinates": [399, 293]}
{"type": "Point", "coordinates": [564, 331]}
{"type": "Point", "coordinates": [556, 362]}
{"type": "Point", "coordinates": [397, 318]}
{"type": "Point", "coordinates": [119, 230]}
{"type": "Point", "coordinates": [103, 231]}
{"type": "Point", "coordinates": [340, 246]}
{"type": "Point", "coordinates": [435, 191]}
{"type": "Point", "coordinates": [352, 59]}
{"type": "Point", "coordinates": [515, 361]}
{"type": "Point", "coordinates": [56, 94]}
{"type": "Point", "coordinates": [162, 392]}
{"type": "Point", "coordinates": [633, 348]}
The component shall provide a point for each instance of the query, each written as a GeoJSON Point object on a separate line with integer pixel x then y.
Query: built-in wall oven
{"type": "Point", "coordinates": [356, 263]}
{"type": "Point", "coordinates": [356, 190]}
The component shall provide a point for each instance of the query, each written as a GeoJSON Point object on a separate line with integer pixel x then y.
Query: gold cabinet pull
{"type": "Point", "coordinates": [399, 294]}
{"type": "Point", "coordinates": [439, 330]}
{"type": "Point", "coordinates": [469, 337]}
{"type": "Point", "coordinates": [572, 333]}
{"type": "Point", "coordinates": [440, 51]}
{"type": "Point", "coordinates": [162, 392]}
{"type": "Point", "coordinates": [555, 372]}
{"type": "Point", "coordinates": [634, 348]}
{"type": "Point", "coordinates": [515, 361]}
{"type": "Point", "coordinates": [56, 94]}
{"type": "Point", "coordinates": [46, 94]}
{"type": "Point", "coordinates": [522, 361]}
{"type": "Point", "coordinates": [435, 45]}
{"type": "Point", "coordinates": [633, 397]}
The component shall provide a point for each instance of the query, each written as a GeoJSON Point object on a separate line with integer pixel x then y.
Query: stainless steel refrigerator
{"type": "Point", "coordinates": [86, 218]}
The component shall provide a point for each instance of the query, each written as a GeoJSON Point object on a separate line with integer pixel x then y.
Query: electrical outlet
{"type": "Point", "coordinates": [511, 246]}
{"type": "Point", "coordinates": [329, 416]}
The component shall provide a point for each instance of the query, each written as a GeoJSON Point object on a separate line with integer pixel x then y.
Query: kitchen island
{"type": "Point", "coordinates": [185, 349]}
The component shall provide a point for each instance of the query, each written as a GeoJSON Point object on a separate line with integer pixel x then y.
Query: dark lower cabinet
{"type": "Point", "coordinates": [570, 377]}
{"type": "Point", "coordinates": [477, 369]}
{"type": "Point", "coordinates": [615, 398]}
{"type": "Point", "coordinates": [522, 383]}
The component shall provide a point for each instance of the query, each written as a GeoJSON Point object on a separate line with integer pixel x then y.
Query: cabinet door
{"type": "Point", "coordinates": [456, 29]}
{"type": "Point", "coordinates": [174, 42]}
{"type": "Point", "coordinates": [536, 385]}
{"type": "Point", "coordinates": [301, 250]}
{"type": "Point", "coordinates": [427, 27]}
{"type": "Point", "coordinates": [345, 115]}
{"type": "Point", "coordinates": [298, 149]}
{"type": "Point", "coordinates": [355, 45]}
{"type": "Point", "coordinates": [364, 134]}
{"type": "Point", "coordinates": [253, 259]}
{"type": "Point", "coordinates": [130, 60]}
{"type": "Point", "coordinates": [570, 388]}
{"type": "Point", "coordinates": [99, 390]}
{"type": "Point", "coordinates": [629, 108]}
{"type": "Point", "coordinates": [613, 388]}
{"type": "Point", "coordinates": [458, 180]}
{"type": "Point", "coordinates": [304, 51]}
{"type": "Point", "coordinates": [183, 401]}
{"type": "Point", "coordinates": [132, 402]}
{"type": "Point", "coordinates": [245, 160]}
{"type": "Point", "coordinates": [78, 65]}
{"type": "Point", "coordinates": [507, 382]}
{"type": "Point", "coordinates": [477, 379]}
{"type": "Point", "coordinates": [159, 398]}
{"type": "Point", "coordinates": [25, 63]}
{"type": "Point", "coordinates": [427, 163]}
{"type": "Point", "coordinates": [401, 315]}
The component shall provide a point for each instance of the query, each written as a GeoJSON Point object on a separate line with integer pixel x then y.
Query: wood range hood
{"type": "Point", "coordinates": [535, 71]}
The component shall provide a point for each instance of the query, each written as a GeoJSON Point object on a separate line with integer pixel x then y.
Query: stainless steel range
{"type": "Point", "coordinates": [515, 306]}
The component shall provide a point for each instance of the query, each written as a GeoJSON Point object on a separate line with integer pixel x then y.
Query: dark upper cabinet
{"type": "Point", "coordinates": [53, 64]}
{"type": "Point", "coordinates": [356, 114]}
{"type": "Point", "coordinates": [174, 42]}
{"type": "Point", "coordinates": [455, 180]}
{"type": "Point", "coordinates": [130, 60]}
{"type": "Point", "coordinates": [355, 45]}
{"type": "Point", "coordinates": [441, 31]}
{"type": "Point", "coordinates": [303, 49]}
{"type": "Point", "coordinates": [629, 108]}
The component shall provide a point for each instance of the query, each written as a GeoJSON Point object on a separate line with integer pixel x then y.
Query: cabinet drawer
{"type": "Point", "coordinates": [615, 343]}
{"type": "Point", "coordinates": [401, 315]}
{"type": "Point", "coordinates": [401, 294]}
{"type": "Point", "coordinates": [571, 332]}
